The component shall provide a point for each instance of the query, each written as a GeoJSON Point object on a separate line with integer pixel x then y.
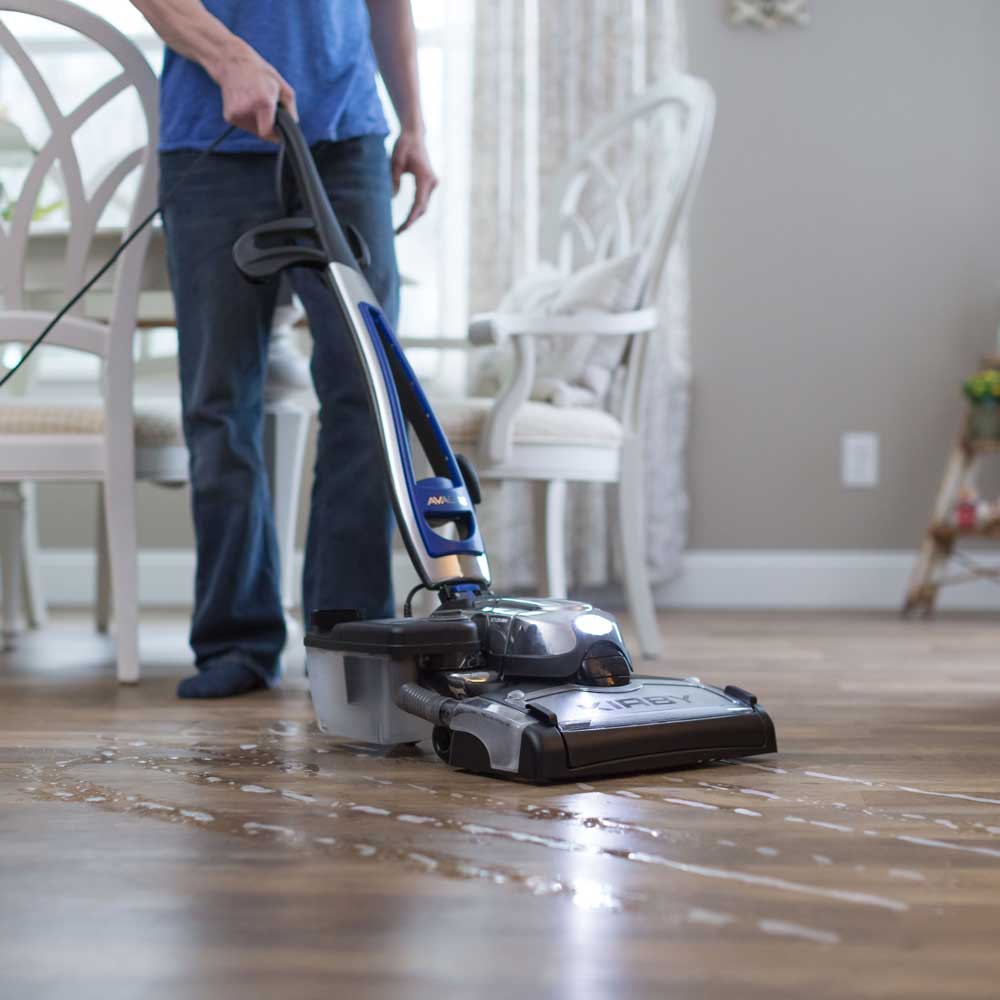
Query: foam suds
{"type": "Point", "coordinates": [409, 818]}
{"type": "Point", "coordinates": [257, 789]}
{"type": "Point", "coordinates": [768, 852]}
{"type": "Point", "coordinates": [198, 817]}
{"type": "Point", "coordinates": [771, 882]}
{"type": "Point", "coordinates": [822, 859]}
{"type": "Point", "coordinates": [628, 795]}
{"type": "Point", "coordinates": [949, 795]}
{"type": "Point", "coordinates": [96, 798]}
{"type": "Point", "coordinates": [759, 767]}
{"type": "Point", "coordinates": [786, 929]}
{"type": "Point", "coordinates": [754, 791]}
{"type": "Point", "coordinates": [699, 916]}
{"type": "Point", "coordinates": [988, 852]}
{"type": "Point", "coordinates": [746, 812]}
{"type": "Point", "coordinates": [909, 874]}
{"type": "Point", "coordinates": [947, 824]}
{"type": "Point", "coordinates": [913, 816]}
{"type": "Point", "coordinates": [422, 859]}
{"type": "Point", "coordinates": [838, 777]}
{"type": "Point", "coordinates": [297, 796]}
{"type": "Point", "coordinates": [517, 835]}
{"type": "Point", "coordinates": [371, 810]}
{"type": "Point", "coordinates": [253, 827]}
{"type": "Point", "coordinates": [248, 746]}
{"type": "Point", "coordinates": [156, 806]}
{"type": "Point", "coordinates": [839, 827]}
{"type": "Point", "coordinates": [695, 805]}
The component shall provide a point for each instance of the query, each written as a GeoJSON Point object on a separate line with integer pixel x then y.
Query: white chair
{"type": "Point", "coordinates": [50, 441]}
{"type": "Point", "coordinates": [113, 441]}
{"type": "Point", "coordinates": [595, 216]}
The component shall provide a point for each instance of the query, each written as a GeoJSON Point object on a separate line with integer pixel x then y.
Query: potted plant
{"type": "Point", "coordinates": [983, 392]}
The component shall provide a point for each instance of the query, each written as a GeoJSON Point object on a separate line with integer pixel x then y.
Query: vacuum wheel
{"type": "Point", "coordinates": [441, 738]}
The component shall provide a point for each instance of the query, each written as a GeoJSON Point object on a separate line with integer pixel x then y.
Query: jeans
{"type": "Point", "coordinates": [223, 325]}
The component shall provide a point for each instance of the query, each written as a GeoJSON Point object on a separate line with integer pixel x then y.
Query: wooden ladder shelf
{"type": "Point", "coordinates": [940, 545]}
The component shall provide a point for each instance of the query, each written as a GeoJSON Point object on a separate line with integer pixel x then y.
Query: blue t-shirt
{"type": "Point", "coordinates": [321, 47]}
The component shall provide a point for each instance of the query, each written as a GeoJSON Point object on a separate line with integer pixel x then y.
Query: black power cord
{"type": "Point", "coordinates": [109, 263]}
{"type": "Point", "coordinates": [408, 603]}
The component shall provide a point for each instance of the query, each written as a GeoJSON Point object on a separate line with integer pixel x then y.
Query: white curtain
{"type": "Point", "coordinates": [545, 70]}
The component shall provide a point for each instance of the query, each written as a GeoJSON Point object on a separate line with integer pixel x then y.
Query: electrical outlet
{"type": "Point", "coordinates": [859, 460]}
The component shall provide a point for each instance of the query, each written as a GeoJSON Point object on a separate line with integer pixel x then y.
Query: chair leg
{"type": "Point", "coordinates": [631, 527]}
{"type": "Point", "coordinates": [35, 605]}
{"type": "Point", "coordinates": [550, 537]}
{"type": "Point", "coordinates": [102, 603]}
{"type": "Point", "coordinates": [285, 431]}
{"type": "Point", "coordinates": [120, 525]}
{"type": "Point", "coordinates": [11, 531]}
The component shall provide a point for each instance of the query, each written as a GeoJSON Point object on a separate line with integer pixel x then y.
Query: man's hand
{"type": "Point", "coordinates": [251, 87]}
{"type": "Point", "coordinates": [409, 156]}
{"type": "Point", "coordinates": [251, 90]}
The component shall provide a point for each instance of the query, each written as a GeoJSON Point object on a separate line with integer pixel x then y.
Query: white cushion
{"type": "Point", "coordinates": [157, 424]}
{"type": "Point", "coordinates": [571, 371]}
{"type": "Point", "coordinates": [535, 423]}
{"type": "Point", "coordinates": [607, 285]}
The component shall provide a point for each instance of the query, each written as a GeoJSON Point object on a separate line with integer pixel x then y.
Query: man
{"type": "Point", "coordinates": [233, 61]}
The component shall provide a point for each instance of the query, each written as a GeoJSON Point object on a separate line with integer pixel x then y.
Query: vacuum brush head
{"type": "Point", "coordinates": [537, 689]}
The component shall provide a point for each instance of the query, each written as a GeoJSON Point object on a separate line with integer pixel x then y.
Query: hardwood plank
{"type": "Point", "coordinates": [155, 848]}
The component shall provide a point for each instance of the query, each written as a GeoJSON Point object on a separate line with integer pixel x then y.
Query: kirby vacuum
{"type": "Point", "coordinates": [538, 689]}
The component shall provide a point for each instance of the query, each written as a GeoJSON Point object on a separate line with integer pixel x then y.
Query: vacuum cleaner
{"type": "Point", "coordinates": [537, 689]}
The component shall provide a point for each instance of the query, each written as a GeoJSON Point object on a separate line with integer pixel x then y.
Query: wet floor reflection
{"type": "Point", "coordinates": [604, 847]}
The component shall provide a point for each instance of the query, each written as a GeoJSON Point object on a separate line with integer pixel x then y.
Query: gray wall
{"type": "Point", "coordinates": [845, 277]}
{"type": "Point", "coordinates": [844, 247]}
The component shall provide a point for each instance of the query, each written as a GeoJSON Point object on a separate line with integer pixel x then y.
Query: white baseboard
{"type": "Point", "coordinates": [712, 578]}
{"type": "Point", "coordinates": [804, 578]}
{"type": "Point", "coordinates": [166, 576]}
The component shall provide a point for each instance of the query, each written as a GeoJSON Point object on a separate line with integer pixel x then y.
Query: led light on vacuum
{"type": "Point", "coordinates": [594, 624]}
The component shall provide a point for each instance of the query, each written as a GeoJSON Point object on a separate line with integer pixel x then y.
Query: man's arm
{"type": "Point", "coordinates": [251, 87]}
{"type": "Point", "coordinates": [394, 39]}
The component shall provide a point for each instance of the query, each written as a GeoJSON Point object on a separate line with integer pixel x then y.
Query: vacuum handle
{"type": "Point", "coordinates": [317, 206]}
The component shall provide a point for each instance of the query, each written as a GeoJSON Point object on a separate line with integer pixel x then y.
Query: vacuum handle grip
{"type": "Point", "coordinates": [317, 205]}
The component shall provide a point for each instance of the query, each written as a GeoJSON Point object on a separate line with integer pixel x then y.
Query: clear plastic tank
{"type": "Point", "coordinates": [354, 697]}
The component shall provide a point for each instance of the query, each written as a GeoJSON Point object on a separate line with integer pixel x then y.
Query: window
{"type": "Point", "coordinates": [433, 256]}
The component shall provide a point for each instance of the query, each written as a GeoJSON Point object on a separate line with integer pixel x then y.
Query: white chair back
{"type": "Point", "coordinates": [627, 182]}
{"type": "Point", "coordinates": [625, 189]}
{"type": "Point", "coordinates": [83, 208]}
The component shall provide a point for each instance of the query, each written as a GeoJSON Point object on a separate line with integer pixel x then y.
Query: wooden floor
{"type": "Point", "coordinates": [151, 848]}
